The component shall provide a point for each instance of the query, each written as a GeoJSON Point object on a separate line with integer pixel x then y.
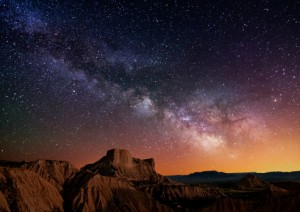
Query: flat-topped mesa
{"type": "Point", "coordinates": [120, 164]}
{"type": "Point", "coordinates": [122, 157]}
{"type": "Point", "coordinates": [119, 155]}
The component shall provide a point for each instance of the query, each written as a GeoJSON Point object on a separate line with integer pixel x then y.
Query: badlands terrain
{"type": "Point", "coordinates": [120, 182]}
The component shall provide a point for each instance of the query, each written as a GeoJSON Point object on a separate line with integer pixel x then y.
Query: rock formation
{"type": "Point", "coordinates": [120, 182]}
{"type": "Point", "coordinates": [120, 164]}
{"type": "Point", "coordinates": [24, 190]}
{"type": "Point", "coordinates": [251, 181]}
{"type": "Point", "coordinates": [55, 172]}
{"type": "Point", "coordinates": [93, 192]}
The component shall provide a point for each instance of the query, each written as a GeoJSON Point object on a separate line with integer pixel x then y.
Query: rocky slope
{"type": "Point", "coordinates": [93, 192]}
{"type": "Point", "coordinates": [24, 190]}
{"type": "Point", "coordinates": [251, 181]}
{"type": "Point", "coordinates": [55, 172]}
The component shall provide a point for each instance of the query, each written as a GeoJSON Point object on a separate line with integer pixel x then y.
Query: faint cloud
{"type": "Point", "coordinates": [145, 107]}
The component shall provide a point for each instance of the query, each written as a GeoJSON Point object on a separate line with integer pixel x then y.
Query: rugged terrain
{"type": "Point", "coordinates": [120, 182]}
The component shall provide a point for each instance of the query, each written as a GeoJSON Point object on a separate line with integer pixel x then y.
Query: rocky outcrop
{"type": "Point", "coordinates": [251, 181]}
{"type": "Point", "coordinates": [120, 164]}
{"type": "Point", "coordinates": [93, 192]}
{"type": "Point", "coordinates": [274, 191]}
{"type": "Point", "coordinates": [55, 172]}
{"type": "Point", "coordinates": [24, 190]}
{"type": "Point", "coordinates": [183, 192]}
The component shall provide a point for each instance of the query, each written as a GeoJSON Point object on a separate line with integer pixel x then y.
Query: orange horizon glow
{"type": "Point", "coordinates": [275, 152]}
{"type": "Point", "coordinates": [256, 158]}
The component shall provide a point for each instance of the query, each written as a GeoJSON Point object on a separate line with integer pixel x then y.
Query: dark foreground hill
{"type": "Point", "coordinates": [120, 182]}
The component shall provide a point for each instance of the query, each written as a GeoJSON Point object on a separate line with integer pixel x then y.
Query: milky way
{"type": "Point", "coordinates": [198, 85]}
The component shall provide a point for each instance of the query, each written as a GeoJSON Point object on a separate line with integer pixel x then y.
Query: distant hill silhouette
{"type": "Point", "coordinates": [214, 176]}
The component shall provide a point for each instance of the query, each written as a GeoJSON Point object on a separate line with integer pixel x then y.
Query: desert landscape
{"type": "Point", "coordinates": [121, 182]}
{"type": "Point", "coordinates": [149, 105]}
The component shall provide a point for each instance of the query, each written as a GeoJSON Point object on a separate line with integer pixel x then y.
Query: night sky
{"type": "Point", "coordinates": [198, 85]}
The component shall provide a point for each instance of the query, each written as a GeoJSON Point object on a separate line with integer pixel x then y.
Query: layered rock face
{"type": "Point", "coordinates": [93, 192]}
{"type": "Point", "coordinates": [55, 172]}
{"type": "Point", "coordinates": [120, 164]}
{"type": "Point", "coordinates": [23, 190]}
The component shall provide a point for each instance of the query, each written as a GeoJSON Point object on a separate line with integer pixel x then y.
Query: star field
{"type": "Point", "coordinates": [196, 85]}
